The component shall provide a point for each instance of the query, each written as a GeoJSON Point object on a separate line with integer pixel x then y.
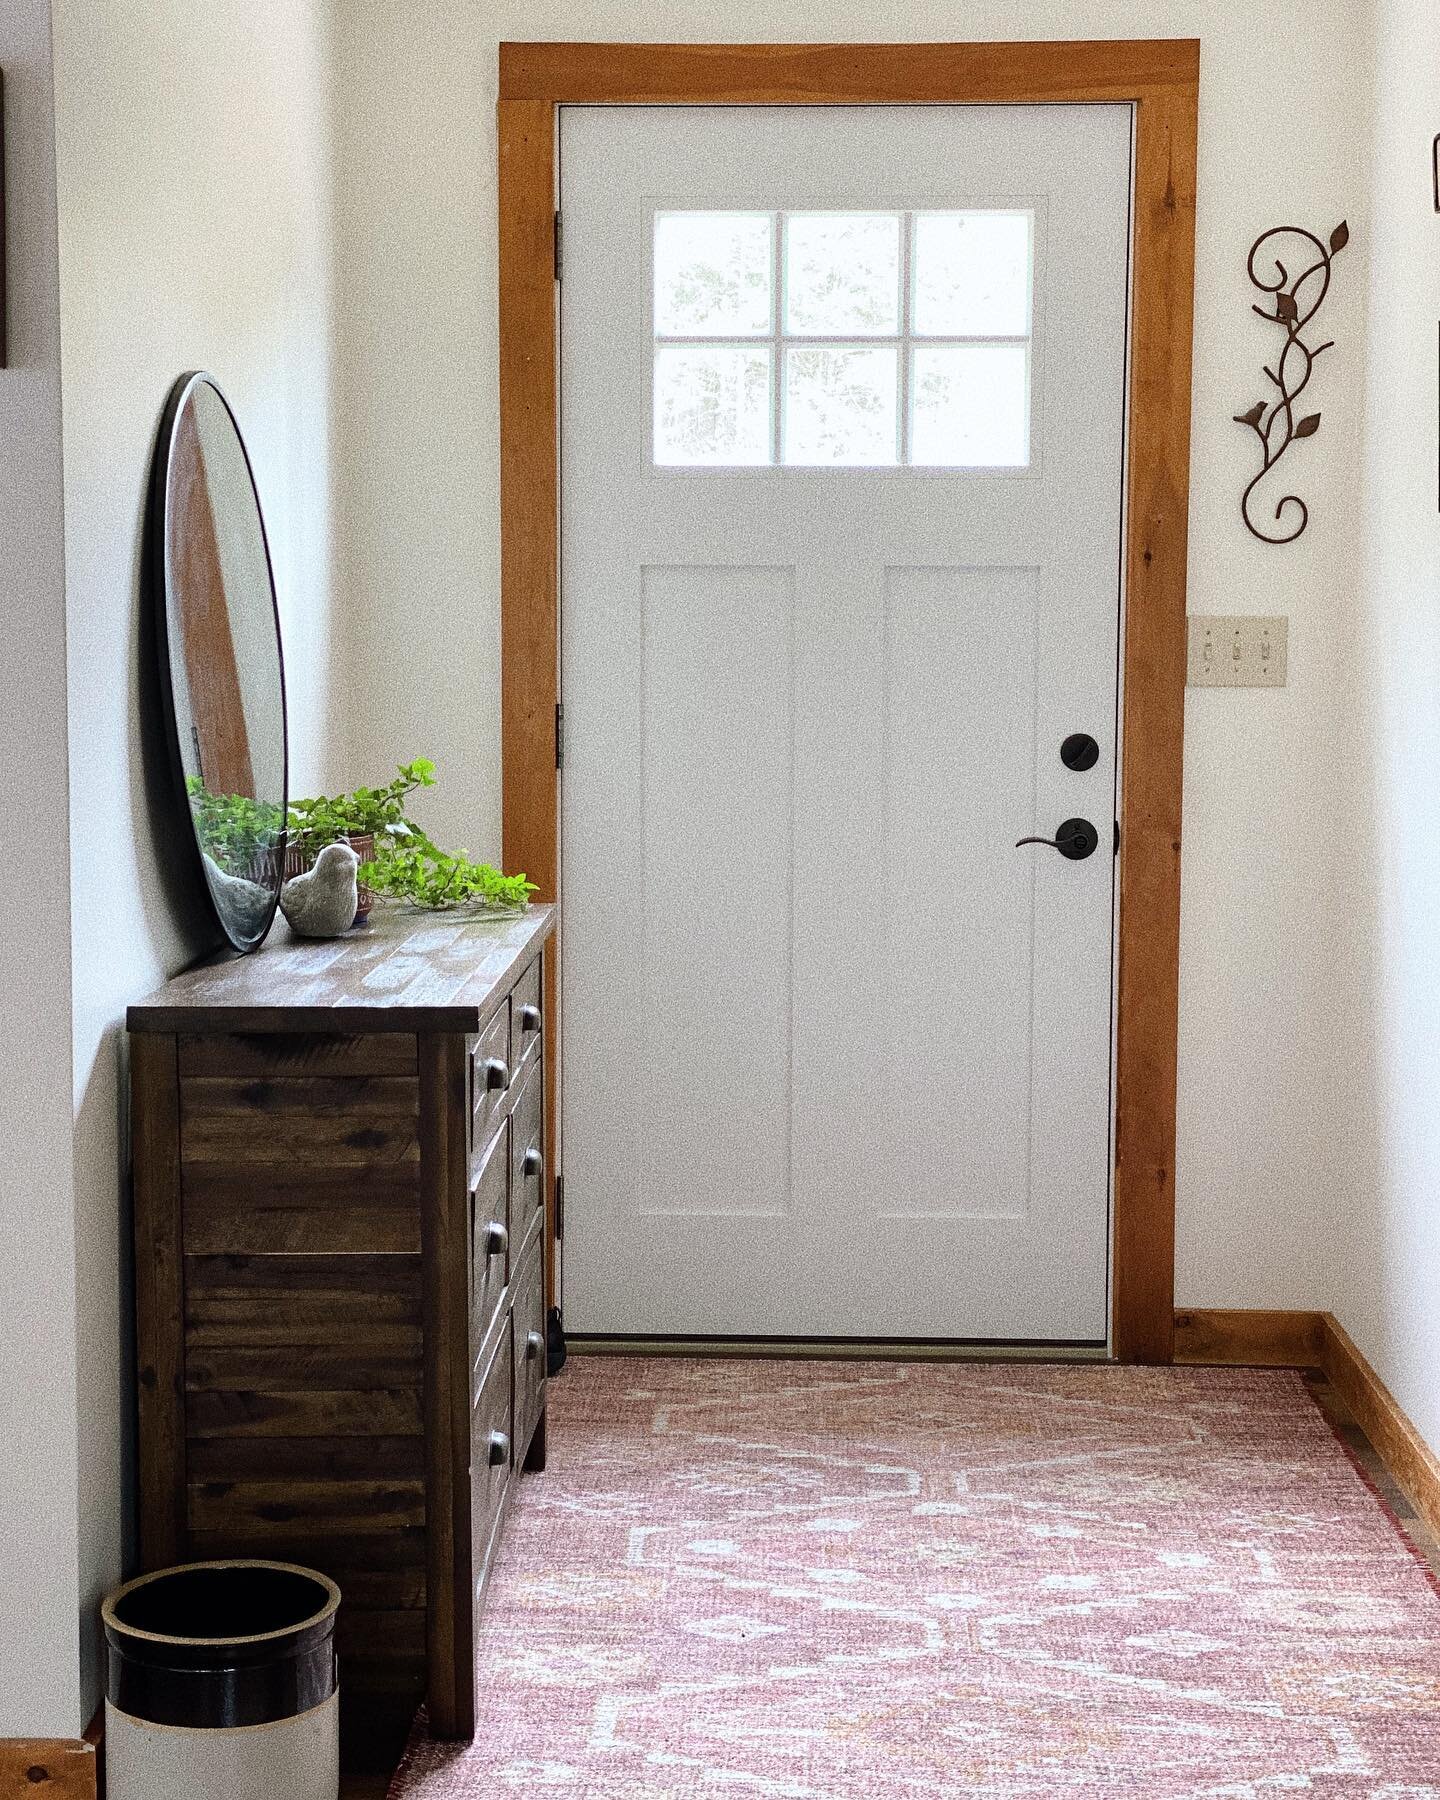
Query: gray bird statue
{"type": "Point", "coordinates": [321, 903]}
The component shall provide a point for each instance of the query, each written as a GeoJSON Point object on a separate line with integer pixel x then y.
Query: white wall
{"type": "Point", "coordinates": [38, 1577]}
{"type": "Point", "coordinates": [416, 397]}
{"type": "Point", "coordinates": [1388, 1266]}
{"type": "Point", "coordinates": [1283, 121]}
{"type": "Point", "coordinates": [193, 169]}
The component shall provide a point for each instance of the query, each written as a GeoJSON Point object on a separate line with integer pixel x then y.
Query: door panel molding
{"type": "Point", "coordinates": [1161, 79]}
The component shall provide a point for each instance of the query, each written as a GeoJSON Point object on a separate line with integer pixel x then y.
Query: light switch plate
{"type": "Point", "coordinates": [1238, 652]}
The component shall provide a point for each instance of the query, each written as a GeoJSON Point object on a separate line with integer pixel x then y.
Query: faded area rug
{"type": "Point", "coordinates": [833, 1581]}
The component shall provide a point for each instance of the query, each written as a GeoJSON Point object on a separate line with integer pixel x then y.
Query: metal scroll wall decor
{"type": "Point", "coordinates": [1292, 302]}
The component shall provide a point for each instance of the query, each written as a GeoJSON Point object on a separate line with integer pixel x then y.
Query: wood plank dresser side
{"type": "Point", "coordinates": [159, 1299]}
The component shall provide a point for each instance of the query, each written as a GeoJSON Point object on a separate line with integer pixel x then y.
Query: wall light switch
{"type": "Point", "coordinates": [1238, 652]}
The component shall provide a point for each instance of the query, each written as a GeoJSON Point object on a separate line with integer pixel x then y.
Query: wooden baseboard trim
{"type": "Point", "coordinates": [1414, 1465]}
{"type": "Point", "coordinates": [1317, 1340]}
{"type": "Point", "coordinates": [47, 1769]}
{"type": "Point", "coordinates": [1267, 1340]}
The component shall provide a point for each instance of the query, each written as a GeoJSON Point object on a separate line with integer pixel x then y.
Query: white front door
{"type": "Point", "coordinates": [842, 442]}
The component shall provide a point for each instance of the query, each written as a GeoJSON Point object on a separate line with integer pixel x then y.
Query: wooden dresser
{"type": "Point", "coordinates": [340, 1245]}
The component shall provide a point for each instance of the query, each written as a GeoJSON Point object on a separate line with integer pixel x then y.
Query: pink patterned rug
{"type": "Point", "coordinates": [890, 1581]}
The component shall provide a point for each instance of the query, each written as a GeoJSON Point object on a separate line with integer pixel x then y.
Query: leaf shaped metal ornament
{"type": "Point", "coordinates": [1295, 300]}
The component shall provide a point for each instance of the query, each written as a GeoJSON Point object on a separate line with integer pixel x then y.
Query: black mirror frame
{"type": "Point", "coordinates": [154, 591]}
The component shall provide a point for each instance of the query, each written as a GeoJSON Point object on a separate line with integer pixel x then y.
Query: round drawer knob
{"type": "Point", "coordinates": [533, 1162]}
{"type": "Point", "coordinates": [497, 1240]}
{"type": "Point", "coordinates": [499, 1448]}
{"type": "Point", "coordinates": [534, 1344]}
{"type": "Point", "coordinates": [497, 1074]}
{"type": "Point", "coordinates": [529, 1018]}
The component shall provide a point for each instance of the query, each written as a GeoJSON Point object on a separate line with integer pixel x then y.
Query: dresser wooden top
{"type": "Point", "coordinates": [405, 971]}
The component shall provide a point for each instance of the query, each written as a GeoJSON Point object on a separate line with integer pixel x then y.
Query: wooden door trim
{"type": "Point", "coordinates": [1161, 80]}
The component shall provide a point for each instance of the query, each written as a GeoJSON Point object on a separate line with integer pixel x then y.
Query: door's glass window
{"type": "Point", "coordinates": [840, 406]}
{"type": "Point", "coordinates": [842, 274]}
{"type": "Point", "coordinates": [972, 275]}
{"type": "Point", "coordinates": [712, 274]}
{"type": "Point", "coordinates": [712, 404]}
{"type": "Point", "coordinates": [971, 406]}
{"type": "Point", "coordinates": [843, 339]}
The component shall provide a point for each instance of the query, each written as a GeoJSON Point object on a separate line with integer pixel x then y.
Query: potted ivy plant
{"type": "Point", "coordinates": [372, 820]}
{"type": "Point", "coordinates": [397, 858]}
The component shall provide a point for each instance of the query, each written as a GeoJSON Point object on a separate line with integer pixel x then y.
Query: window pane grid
{"type": "Point", "coordinates": [946, 385]}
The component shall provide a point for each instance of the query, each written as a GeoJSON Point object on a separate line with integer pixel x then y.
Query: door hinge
{"type": "Point", "coordinates": [559, 1207]}
{"type": "Point", "coordinates": [559, 736]}
{"type": "Point", "coordinates": [557, 246]}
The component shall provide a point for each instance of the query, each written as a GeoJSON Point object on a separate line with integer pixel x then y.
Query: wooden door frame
{"type": "Point", "coordinates": [1161, 80]}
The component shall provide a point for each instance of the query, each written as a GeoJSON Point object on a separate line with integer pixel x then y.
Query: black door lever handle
{"type": "Point", "coordinates": [1075, 839]}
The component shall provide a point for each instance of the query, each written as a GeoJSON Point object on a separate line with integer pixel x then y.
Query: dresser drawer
{"type": "Point", "coordinates": [527, 1157]}
{"type": "Point", "coordinates": [490, 1455]}
{"type": "Point", "coordinates": [528, 1323]}
{"type": "Point", "coordinates": [526, 1015]}
{"type": "Point", "coordinates": [490, 1072]}
{"type": "Point", "coordinates": [490, 1239]}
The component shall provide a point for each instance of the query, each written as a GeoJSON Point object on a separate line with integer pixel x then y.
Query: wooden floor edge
{"type": "Point", "coordinates": [1250, 1337]}
{"type": "Point", "coordinates": [1398, 1444]}
{"type": "Point", "coordinates": [66, 1768]}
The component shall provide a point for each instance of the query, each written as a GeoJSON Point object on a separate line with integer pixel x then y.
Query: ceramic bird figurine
{"type": "Point", "coordinates": [322, 902]}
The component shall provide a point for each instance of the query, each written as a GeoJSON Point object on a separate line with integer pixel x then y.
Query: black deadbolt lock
{"type": "Point", "coordinates": [1079, 752]}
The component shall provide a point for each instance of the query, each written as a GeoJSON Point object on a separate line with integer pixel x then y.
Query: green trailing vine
{"type": "Point", "coordinates": [432, 878]}
{"type": "Point", "coordinates": [406, 866]}
{"type": "Point", "coordinates": [368, 812]}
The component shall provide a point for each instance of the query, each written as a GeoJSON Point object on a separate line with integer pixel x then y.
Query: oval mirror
{"type": "Point", "coordinates": [220, 654]}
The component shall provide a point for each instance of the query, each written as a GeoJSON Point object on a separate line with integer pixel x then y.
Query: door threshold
{"type": "Point", "coordinates": [838, 1349]}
